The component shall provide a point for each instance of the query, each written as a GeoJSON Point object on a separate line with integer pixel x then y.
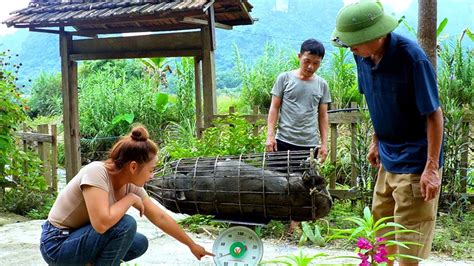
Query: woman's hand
{"type": "Point", "coordinates": [138, 203]}
{"type": "Point", "coordinates": [198, 251]}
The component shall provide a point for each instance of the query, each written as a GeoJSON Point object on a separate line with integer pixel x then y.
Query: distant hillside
{"type": "Point", "coordinates": [284, 22]}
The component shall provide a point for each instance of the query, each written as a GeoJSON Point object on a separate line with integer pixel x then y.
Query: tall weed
{"type": "Point", "coordinates": [341, 79]}
{"type": "Point", "coordinates": [111, 98]}
{"type": "Point", "coordinates": [258, 78]}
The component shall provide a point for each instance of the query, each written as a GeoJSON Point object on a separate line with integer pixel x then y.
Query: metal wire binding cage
{"type": "Point", "coordinates": [249, 188]}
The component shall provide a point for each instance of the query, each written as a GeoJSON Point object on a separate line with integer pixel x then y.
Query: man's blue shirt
{"type": "Point", "coordinates": [400, 92]}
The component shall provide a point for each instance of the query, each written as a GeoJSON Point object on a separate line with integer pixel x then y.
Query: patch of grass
{"type": "Point", "coordinates": [455, 237]}
{"type": "Point", "coordinates": [274, 229]}
{"type": "Point", "coordinates": [194, 222]}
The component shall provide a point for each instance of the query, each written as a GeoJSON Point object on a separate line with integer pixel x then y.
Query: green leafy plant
{"type": "Point", "coordinates": [183, 85]}
{"type": "Point", "coordinates": [371, 249]}
{"type": "Point", "coordinates": [112, 95]}
{"type": "Point", "coordinates": [157, 68]}
{"type": "Point", "coordinates": [342, 79]}
{"type": "Point", "coordinates": [456, 90]}
{"type": "Point", "coordinates": [21, 170]}
{"type": "Point", "coordinates": [312, 232]}
{"type": "Point", "coordinates": [12, 111]}
{"type": "Point", "coordinates": [232, 135]}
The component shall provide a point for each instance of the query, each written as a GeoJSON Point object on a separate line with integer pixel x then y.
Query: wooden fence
{"type": "Point", "coordinates": [351, 117]}
{"type": "Point", "coordinates": [46, 142]}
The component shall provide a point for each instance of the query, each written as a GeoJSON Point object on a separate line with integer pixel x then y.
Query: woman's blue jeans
{"type": "Point", "coordinates": [85, 245]}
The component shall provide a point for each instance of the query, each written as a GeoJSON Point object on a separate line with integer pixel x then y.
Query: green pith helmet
{"type": "Point", "coordinates": [361, 22]}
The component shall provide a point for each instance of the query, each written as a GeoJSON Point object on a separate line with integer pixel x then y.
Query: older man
{"type": "Point", "coordinates": [399, 84]}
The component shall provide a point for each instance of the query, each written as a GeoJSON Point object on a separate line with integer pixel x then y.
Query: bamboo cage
{"type": "Point", "coordinates": [248, 188]}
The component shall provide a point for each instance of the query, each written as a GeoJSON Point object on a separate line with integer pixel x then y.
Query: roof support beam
{"type": "Point", "coordinates": [158, 45]}
{"type": "Point", "coordinates": [197, 21]}
{"type": "Point", "coordinates": [70, 108]}
{"type": "Point", "coordinates": [209, 77]}
{"type": "Point", "coordinates": [61, 31]}
{"type": "Point", "coordinates": [136, 54]}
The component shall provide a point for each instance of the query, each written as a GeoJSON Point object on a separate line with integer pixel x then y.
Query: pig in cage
{"type": "Point", "coordinates": [247, 188]}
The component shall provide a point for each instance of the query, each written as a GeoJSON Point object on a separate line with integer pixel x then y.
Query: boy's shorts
{"type": "Point", "coordinates": [399, 195]}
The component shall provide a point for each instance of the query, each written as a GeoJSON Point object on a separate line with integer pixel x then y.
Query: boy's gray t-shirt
{"type": "Point", "coordinates": [300, 100]}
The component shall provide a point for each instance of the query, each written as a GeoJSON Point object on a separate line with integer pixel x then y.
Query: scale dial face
{"type": "Point", "coordinates": [237, 246]}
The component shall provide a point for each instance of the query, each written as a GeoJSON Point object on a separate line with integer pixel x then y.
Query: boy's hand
{"type": "Point", "coordinates": [271, 144]}
{"type": "Point", "coordinates": [322, 154]}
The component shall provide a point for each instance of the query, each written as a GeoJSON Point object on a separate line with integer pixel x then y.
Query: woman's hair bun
{"type": "Point", "coordinates": [139, 133]}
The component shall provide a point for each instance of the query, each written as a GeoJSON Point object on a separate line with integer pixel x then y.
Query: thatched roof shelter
{"type": "Point", "coordinates": [180, 27]}
{"type": "Point", "coordinates": [89, 16]}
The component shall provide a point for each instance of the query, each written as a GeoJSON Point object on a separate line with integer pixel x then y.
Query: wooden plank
{"type": "Point", "coordinates": [36, 137]}
{"type": "Point", "coordinates": [344, 117]}
{"type": "Point", "coordinates": [156, 42]}
{"type": "Point", "coordinates": [332, 180]}
{"type": "Point", "coordinates": [344, 194]}
{"type": "Point", "coordinates": [136, 28]}
{"type": "Point", "coordinates": [256, 110]}
{"type": "Point", "coordinates": [70, 109]}
{"type": "Point", "coordinates": [136, 54]}
{"type": "Point", "coordinates": [198, 94]}
{"type": "Point", "coordinates": [43, 154]}
{"type": "Point", "coordinates": [209, 77]}
{"type": "Point", "coordinates": [54, 158]}
{"type": "Point", "coordinates": [354, 171]}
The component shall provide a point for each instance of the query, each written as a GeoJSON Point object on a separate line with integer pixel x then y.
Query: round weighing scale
{"type": "Point", "coordinates": [237, 246]}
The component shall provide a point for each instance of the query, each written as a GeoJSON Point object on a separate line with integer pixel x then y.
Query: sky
{"type": "Point", "coordinates": [8, 6]}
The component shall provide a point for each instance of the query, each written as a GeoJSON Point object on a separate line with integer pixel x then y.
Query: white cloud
{"type": "Point", "coordinates": [397, 6]}
{"type": "Point", "coordinates": [8, 7]}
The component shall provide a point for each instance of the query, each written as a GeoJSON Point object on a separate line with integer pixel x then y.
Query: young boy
{"type": "Point", "coordinates": [299, 103]}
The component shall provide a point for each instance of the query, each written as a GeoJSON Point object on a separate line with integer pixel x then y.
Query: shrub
{"type": "Point", "coordinates": [21, 169]}
{"type": "Point", "coordinates": [229, 136]}
{"type": "Point", "coordinates": [111, 98]}
{"type": "Point", "coordinates": [46, 96]}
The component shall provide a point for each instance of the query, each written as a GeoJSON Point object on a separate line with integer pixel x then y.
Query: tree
{"type": "Point", "coordinates": [427, 21]}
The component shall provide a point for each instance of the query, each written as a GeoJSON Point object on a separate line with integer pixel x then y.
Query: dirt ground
{"type": "Point", "coordinates": [19, 245]}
